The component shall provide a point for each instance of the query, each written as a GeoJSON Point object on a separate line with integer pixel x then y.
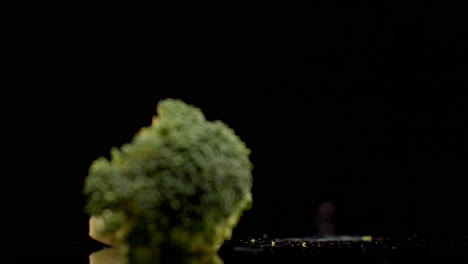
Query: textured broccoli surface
{"type": "Point", "coordinates": [181, 185]}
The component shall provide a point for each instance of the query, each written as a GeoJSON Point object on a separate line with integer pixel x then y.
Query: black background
{"type": "Point", "coordinates": [360, 106]}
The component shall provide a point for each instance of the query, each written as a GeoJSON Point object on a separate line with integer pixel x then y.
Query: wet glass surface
{"type": "Point", "coordinates": [340, 249]}
{"type": "Point", "coordinates": [345, 250]}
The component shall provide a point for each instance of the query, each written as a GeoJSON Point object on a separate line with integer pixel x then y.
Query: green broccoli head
{"type": "Point", "coordinates": [181, 184]}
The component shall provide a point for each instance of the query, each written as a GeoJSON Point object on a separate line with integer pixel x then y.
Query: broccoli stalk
{"type": "Point", "coordinates": [180, 186]}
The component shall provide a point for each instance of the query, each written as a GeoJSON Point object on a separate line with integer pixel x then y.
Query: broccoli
{"type": "Point", "coordinates": [179, 187]}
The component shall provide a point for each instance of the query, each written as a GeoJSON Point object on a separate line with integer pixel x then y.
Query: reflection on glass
{"type": "Point", "coordinates": [107, 256]}
{"type": "Point", "coordinates": [120, 256]}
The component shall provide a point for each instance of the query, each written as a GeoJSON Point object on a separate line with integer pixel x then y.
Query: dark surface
{"type": "Point", "coordinates": [380, 250]}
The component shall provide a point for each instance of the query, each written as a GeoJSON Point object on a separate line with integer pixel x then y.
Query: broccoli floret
{"type": "Point", "coordinates": [181, 185]}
